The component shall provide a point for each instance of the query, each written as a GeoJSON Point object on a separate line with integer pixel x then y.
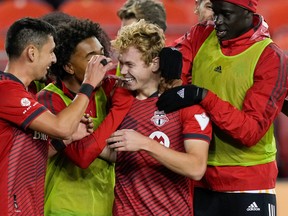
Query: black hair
{"type": "Point", "coordinates": [27, 31]}
{"type": "Point", "coordinates": [56, 18]}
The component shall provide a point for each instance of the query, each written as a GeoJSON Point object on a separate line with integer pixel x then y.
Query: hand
{"type": "Point", "coordinates": [89, 123]}
{"type": "Point", "coordinates": [180, 97]}
{"type": "Point", "coordinates": [85, 128]}
{"type": "Point", "coordinates": [127, 140]}
{"type": "Point", "coordinates": [96, 69]}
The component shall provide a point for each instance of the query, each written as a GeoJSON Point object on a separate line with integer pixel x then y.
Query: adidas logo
{"type": "Point", "coordinates": [253, 207]}
{"type": "Point", "coordinates": [181, 93]}
{"type": "Point", "coordinates": [218, 69]}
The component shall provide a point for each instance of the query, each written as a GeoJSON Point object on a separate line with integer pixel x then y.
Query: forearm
{"type": "Point", "coordinates": [261, 103]}
{"type": "Point", "coordinates": [244, 126]}
{"type": "Point", "coordinates": [108, 155]}
{"type": "Point", "coordinates": [186, 164]}
{"type": "Point", "coordinates": [63, 124]}
{"type": "Point", "coordinates": [85, 151]}
{"type": "Point", "coordinates": [69, 118]}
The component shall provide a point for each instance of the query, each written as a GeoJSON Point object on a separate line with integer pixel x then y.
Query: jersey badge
{"type": "Point", "coordinates": [159, 118]}
{"type": "Point", "coordinates": [25, 102]}
{"type": "Point", "coordinates": [161, 138]}
{"type": "Point", "coordinates": [202, 120]}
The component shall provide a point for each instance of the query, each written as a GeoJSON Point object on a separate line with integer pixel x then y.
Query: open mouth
{"type": "Point", "coordinates": [123, 79]}
{"type": "Point", "coordinates": [221, 34]}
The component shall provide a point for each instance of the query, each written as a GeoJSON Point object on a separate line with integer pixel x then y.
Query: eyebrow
{"type": "Point", "coordinates": [95, 53]}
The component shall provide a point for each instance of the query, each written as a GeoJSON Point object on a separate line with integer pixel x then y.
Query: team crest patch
{"type": "Point", "coordinates": [25, 102]}
{"type": "Point", "coordinates": [161, 138]}
{"type": "Point", "coordinates": [159, 118]}
{"type": "Point", "coordinates": [203, 120]}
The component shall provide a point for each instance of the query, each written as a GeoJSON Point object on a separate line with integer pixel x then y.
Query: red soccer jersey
{"type": "Point", "coordinates": [23, 153]}
{"type": "Point", "coordinates": [143, 185]}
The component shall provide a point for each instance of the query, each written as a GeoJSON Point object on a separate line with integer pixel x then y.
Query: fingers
{"type": "Point", "coordinates": [96, 69]}
{"type": "Point", "coordinates": [87, 120]}
{"type": "Point", "coordinates": [104, 62]}
{"type": "Point", "coordinates": [101, 60]}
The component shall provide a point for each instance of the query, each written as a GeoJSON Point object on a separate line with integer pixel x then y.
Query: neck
{"type": "Point", "coordinates": [147, 89]}
{"type": "Point", "coordinates": [20, 72]}
{"type": "Point", "coordinates": [72, 84]}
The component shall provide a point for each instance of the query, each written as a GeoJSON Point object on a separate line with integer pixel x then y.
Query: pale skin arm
{"type": "Point", "coordinates": [191, 163]}
{"type": "Point", "coordinates": [65, 123]}
{"type": "Point", "coordinates": [108, 154]}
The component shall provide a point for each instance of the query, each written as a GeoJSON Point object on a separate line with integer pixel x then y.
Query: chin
{"type": "Point", "coordinates": [42, 80]}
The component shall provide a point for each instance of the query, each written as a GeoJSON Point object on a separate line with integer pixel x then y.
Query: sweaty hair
{"type": "Point", "coordinates": [152, 11]}
{"type": "Point", "coordinates": [148, 38]}
{"type": "Point", "coordinates": [69, 35]}
{"type": "Point", "coordinates": [24, 32]}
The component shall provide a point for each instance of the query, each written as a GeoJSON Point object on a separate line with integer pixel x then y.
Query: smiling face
{"type": "Point", "coordinates": [45, 58]}
{"type": "Point", "coordinates": [138, 76]}
{"type": "Point", "coordinates": [231, 20]}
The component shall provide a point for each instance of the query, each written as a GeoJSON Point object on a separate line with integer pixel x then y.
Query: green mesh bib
{"type": "Point", "coordinates": [71, 190]}
{"type": "Point", "coordinates": [230, 77]}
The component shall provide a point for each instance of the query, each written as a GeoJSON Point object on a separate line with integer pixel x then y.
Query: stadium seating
{"type": "Point", "coordinates": [11, 11]}
{"type": "Point", "coordinates": [180, 18]}
{"type": "Point", "coordinates": [97, 11]}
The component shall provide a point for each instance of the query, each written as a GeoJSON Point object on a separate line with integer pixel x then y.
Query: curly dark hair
{"type": "Point", "coordinates": [69, 35]}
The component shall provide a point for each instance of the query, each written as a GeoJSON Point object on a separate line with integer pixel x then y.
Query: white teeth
{"type": "Point", "coordinates": [127, 79]}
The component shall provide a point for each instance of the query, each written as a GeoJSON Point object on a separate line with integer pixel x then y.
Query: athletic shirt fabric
{"type": "Point", "coordinates": [232, 87]}
{"type": "Point", "coordinates": [23, 152]}
{"type": "Point", "coordinates": [71, 190]}
{"type": "Point", "coordinates": [143, 185]}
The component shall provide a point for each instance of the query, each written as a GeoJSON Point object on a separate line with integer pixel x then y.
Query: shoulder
{"type": "Point", "coordinates": [191, 110]}
{"type": "Point", "coordinates": [195, 113]}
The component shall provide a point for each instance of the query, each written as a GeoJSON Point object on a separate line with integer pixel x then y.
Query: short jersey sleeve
{"type": "Point", "coordinates": [17, 105]}
{"type": "Point", "coordinates": [196, 123]}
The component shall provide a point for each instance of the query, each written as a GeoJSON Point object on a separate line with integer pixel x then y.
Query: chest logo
{"type": "Point", "coordinates": [25, 102]}
{"type": "Point", "coordinates": [159, 118]}
{"type": "Point", "coordinates": [160, 137]}
{"type": "Point", "coordinates": [218, 69]}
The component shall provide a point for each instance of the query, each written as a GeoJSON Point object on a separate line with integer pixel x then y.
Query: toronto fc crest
{"type": "Point", "coordinates": [159, 118]}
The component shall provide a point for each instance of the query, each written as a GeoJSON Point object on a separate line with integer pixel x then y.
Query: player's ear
{"type": "Point", "coordinates": [69, 68]}
{"type": "Point", "coordinates": [155, 64]}
{"type": "Point", "coordinates": [31, 52]}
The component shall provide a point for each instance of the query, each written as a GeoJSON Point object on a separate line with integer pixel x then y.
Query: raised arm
{"type": "Point", "coordinates": [66, 122]}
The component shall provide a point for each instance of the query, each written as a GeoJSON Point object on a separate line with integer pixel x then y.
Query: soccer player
{"type": "Point", "coordinates": [242, 79]}
{"type": "Point", "coordinates": [25, 124]}
{"type": "Point", "coordinates": [157, 154]}
{"type": "Point", "coordinates": [88, 189]}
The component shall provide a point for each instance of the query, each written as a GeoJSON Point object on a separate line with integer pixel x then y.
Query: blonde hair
{"type": "Point", "coordinates": [148, 38]}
